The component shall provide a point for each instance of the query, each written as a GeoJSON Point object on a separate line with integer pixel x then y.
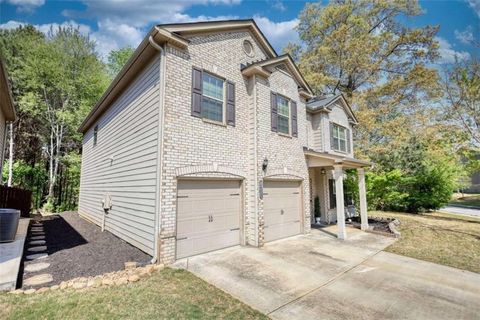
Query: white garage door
{"type": "Point", "coordinates": [281, 207]}
{"type": "Point", "coordinates": [208, 215]}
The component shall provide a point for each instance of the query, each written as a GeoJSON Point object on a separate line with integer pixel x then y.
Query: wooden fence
{"type": "Point", "coordinates": [16, 198]}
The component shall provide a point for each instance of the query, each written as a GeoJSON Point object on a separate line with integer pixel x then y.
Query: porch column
{"type": "Point", "coordinates": [338, 176]}
{"type": "Point", "coordinates": [363, 198]}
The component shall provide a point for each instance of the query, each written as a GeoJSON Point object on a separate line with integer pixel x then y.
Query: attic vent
{"type": "Point", "coordinates": [248, 48]}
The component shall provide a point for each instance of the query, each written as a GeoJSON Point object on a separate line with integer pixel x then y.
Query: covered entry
{"type": "Point", "coordinates": [281, 209]}
{"type": "Point", "coordinates": [208, 215]}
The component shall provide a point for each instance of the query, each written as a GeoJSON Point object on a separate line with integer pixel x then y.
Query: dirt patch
{"type": "Point", "coordinates": [77, 248]}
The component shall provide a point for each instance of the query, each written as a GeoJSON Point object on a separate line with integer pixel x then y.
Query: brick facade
{"type": "Point", "coordinates": [197, 148]}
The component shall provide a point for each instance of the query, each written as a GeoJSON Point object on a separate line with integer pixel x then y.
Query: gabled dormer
{"type": "Point", "coordinates": [330, 122]}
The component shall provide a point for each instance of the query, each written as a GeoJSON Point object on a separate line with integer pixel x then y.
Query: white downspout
{"type": "Point", "coordinates": [3, 151]}
{"type": "Point", "coordinates": [161, 121]}
{"type": "Point", "coordinates": [10, 156]}
{"type": "Point", "coordinates": [255, 157]}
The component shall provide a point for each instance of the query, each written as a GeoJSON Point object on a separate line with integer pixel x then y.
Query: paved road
{"type": "Point", "coordinates": [320, 277]}
{"type": "Point", "coordinates": [462, 210]}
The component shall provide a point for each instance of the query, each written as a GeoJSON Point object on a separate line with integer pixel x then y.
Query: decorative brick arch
{"type": "Point", "coordinates": [209, 168]}
{"type": "Point", "coordinates": [284, 172]}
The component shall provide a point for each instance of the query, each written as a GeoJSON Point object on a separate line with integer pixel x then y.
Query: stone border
{"type": "Point", "coordinates": [129, 275]}
{"type": "Point", "coordinates": [392, 224]}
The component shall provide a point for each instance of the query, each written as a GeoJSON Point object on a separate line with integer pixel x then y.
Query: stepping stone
{"type": "Point", "coordinates": [37, 249]}
{"type": "Point", "coordinates": [37, 238]}
{"type": "Point", "coordinates": [34, 267]}
{"type": "Point", "coordinates": [37, 242]}
{"type": "Point", "coordinates": [37, 229]}
{"type": "Point", "coordinates": [38, 280]}
{"type": "Point", "coordinates": [37, 256]}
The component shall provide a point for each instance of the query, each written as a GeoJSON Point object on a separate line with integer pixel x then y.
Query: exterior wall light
{"type": "Point", "coordinates": [323, 171]}
{"type": "Point", "coordinates": [265, 164]}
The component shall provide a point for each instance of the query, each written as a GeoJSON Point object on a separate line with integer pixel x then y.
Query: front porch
{"type": "Point", "coordinates": [326, 175]}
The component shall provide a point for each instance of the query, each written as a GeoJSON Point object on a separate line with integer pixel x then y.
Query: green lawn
{"type": "Point", "coordinates": [167, 294]}
{"type": "Point", "coordinates": [472, 200]}
{"type": "Point", "coordinates": [441, 238]}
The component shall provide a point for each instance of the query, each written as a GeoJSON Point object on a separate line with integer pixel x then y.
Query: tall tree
{"type": "Point", "coordinates": [117, 59]}
{"type": "Point", "coordinates": [462, 97]}
{"type": "Point", "coordinates": [63, 79]}
{"type": "Point", "coordinates": [362, 49]}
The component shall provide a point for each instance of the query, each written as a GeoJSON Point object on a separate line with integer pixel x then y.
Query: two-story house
{"type": "Point", "coordinates": [209, 139]}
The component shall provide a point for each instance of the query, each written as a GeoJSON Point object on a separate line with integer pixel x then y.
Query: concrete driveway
{"type": "Point", "coordinates": [464, 211]}
{"type": "Point", "coordinates": [320, 277]}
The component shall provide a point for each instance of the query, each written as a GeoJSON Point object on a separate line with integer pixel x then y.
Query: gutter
{"type": "Point", "coordinates": [255, 157]}
{"type": "Point", "coordinates": [161, 122]}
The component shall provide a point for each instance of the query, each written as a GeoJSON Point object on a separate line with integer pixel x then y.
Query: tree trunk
{"type": "Point", "coordinates": [51, 182]}
{"type": "Point", "coordinates": [10, 157]}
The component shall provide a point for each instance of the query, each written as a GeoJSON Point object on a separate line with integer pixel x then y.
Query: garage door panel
{"type": "Point", "coordinates": [202, 244]}
{"type": "Point", "coordinates": [282, 205]}
{"type": "Point", "coordinates": [208, 216]}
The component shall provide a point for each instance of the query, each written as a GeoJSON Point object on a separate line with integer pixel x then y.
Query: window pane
{"type": "Point", "coordinates": [282, 106]}
{"type": "Point", "coordinates": [283, 124]}
{"type": "Point", "coordinates": [335, 143]}
{"type": "Point", "coordinates": [212, 86]}
{"type": "Point", "coordinates": [212, 109]}
{"type": "Point", "coordinates": [335, 131]}
{"type": "Point", "coordinates": [341, 132]}
{"type": "Point", "coordinates": [343, 145]}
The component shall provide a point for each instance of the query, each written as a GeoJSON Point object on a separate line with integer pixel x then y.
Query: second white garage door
{"type": "Point", "coordinates": [281, 209]}
{"type": "Point", "coordinates": [208, 215]}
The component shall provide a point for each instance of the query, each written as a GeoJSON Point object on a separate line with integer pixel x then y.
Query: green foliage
{"type": "Point", "coordinates": [462, 97]}
{"type": "Point", "coordinates": [56, 78]}
{"type": "Point", "coordinates": [413, 179]}
{"type": "Point", "coordinates": [117, 59]}
{"type": "Point", "coordinates": [385, 190]}
{"type": "Point", "coordinates": [30, 177]}
{"type": "Point", "coordinates": [49, 206]}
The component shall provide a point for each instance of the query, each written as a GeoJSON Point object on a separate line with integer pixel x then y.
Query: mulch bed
{"type": "Point", "coordinates": [77, 248]}
{"type": "Point", "coordinates": [378, 224]}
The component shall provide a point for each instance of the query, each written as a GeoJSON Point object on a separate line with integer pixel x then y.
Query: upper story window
{"type": "Point", "coordinates": [340, 138]}
{"type": "Point", "coordinates": [212, 101]}
{"type": "Point", "coordinates": [213, 98]}
{"type": "Point", "coordinates": [283, 111]}
{"type": "Point", "coordinates": [95, 135]}
{"type": "Point", "coordinates": [283, 115]}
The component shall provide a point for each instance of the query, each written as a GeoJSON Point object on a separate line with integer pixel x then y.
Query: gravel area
{"type": "Point", "coordinates": [77, 248]}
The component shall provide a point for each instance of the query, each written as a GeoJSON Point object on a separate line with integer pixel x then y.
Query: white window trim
{"type": "Point", "coordinates": [337, 126]}
{"type": "Point", "coordinates": [289, 107]}
{"type": "Point", "coordinates": [224, 101]}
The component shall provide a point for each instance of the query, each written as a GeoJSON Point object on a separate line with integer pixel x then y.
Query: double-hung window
{"type": "Point", "coordinates": [283, 111]}
{"type": "Point", "coordinates": [339, 138]}
{"type": "Point", "coordinates": [212, 97]}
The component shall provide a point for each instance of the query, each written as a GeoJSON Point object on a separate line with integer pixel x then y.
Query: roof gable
{"type": "Point", "coordinates": [286, 64]}
{"type": "Point", "coordinates": [326, 103]}
{"type": "Point", "coordinates": [183, 29]}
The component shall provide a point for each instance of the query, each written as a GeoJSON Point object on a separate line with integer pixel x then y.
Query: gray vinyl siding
{"type": "Point", "coordinates": [317, 132]}
{"type": "Point", "coordinates": [128, 132]}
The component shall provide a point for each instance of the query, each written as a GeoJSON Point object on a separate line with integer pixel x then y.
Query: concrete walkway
{"type": "Point", "coordinates": [11, 256]}
{"type": "Point", "coordinates": [464, 211]}
{"type": "Point", "coordinates": [320, 277]}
